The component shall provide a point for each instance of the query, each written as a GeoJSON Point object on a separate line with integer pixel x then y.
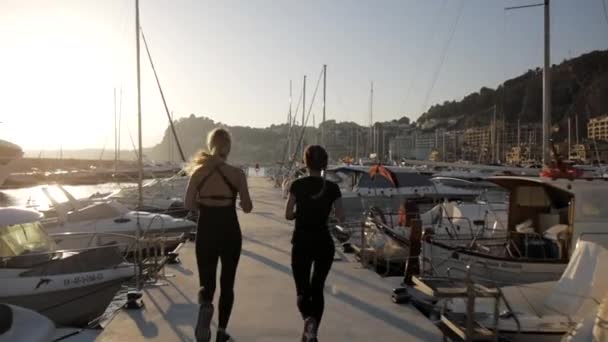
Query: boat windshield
{"type": "Point", "coordinates": [22, 239]}
{"type": "Point", "coordinates": [404, 180]}
{"type": "Point", "coordinates": [590, 205]}
{"type": "Point", "coordinates": [495, 196]}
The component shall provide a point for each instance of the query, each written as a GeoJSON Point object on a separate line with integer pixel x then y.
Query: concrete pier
{"type": "Point", "coordinates": [357, 308]}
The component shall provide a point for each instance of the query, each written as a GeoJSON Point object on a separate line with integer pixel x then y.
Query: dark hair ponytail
{"type": "Point", "coordinates": [315, 158]}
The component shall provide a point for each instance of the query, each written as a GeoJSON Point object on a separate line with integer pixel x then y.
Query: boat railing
{"type": "Point", "coordinates": [456, 227]}
{"type": "Point", "coordinates": [94, 236]}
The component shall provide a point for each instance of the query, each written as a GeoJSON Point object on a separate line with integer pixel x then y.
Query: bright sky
{"type": "Point", "coordinates": [232, 60]}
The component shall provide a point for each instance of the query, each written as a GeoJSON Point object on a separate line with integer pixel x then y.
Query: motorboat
{"type": "Point", "coordinates": [20, 324]}
{"type": "Point", "coordinates": [9, 152]}
{"type": "Point", "coordinates": [72, 287]}
{"type": "Point", "coordinates": [160, 195]}
{"type": "Point", "coordinates": [385, 234]}
{"type": "Point", "coordinates": [546, 217]}
{"type": "Point", "coordinates": [570, 309]}
{"type": "Point", "coordinates": [111, 218]}
{"type": "Point", "coordinates": [391, 181]}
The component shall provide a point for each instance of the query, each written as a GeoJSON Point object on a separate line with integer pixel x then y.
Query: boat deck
{"type": "Point", "coordinates": [358, 305]}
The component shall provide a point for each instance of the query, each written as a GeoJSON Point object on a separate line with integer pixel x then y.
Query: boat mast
{"type": "Point", "coordinates": [304, 102]}
{"type": "Point", "coordinates": [140, 161]}
{"type": "Point", "coordinates": [303, 113]}
{"type": "Point", "coordinates": [115, 137]}
{"type": "Point", "coordinates": [546, 122]}
{"type": "Point", "coordinates": [547, 87]}
{"type": "Point", "coordinates": [569, 136]}
{"type": "Point", "coordinates": [289, 119]}
{"type": "Point", "coordinates": [324, 98]}
{"type": "Point", "coordinates": [371, 118]}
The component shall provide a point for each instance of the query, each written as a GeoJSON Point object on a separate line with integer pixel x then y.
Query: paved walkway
{"type": "Point", "coordinates": [358, 305]}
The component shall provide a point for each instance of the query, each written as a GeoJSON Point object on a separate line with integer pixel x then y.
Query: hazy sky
{"type": "Point", "coordinates": [60, 60]}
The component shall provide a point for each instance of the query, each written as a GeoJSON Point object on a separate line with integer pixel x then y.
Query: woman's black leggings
{"type": "Point", "coordinates": [218, 238]}
{"type": "Point", "coordinates": [311, 263]}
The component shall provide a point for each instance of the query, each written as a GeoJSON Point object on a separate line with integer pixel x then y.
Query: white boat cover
{"type": "Point", "coordinates": [584, 282]}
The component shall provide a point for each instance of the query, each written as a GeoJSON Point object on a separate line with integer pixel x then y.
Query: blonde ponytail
{"type": "Point", "coordinates": [218, 144]}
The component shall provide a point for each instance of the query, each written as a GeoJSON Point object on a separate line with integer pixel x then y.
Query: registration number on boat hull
{"type": "Point", "coordinates": [83, 279]}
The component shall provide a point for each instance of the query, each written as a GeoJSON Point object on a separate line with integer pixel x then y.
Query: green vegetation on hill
{"type": "Point", "coordinates": [577, 85]}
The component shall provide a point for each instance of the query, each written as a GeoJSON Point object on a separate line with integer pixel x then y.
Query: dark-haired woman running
{"type": "Point", "coordinates": [310, 202]}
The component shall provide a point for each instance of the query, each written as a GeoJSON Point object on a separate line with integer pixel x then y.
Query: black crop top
{"type": "Point", "coordinates": [312, 212]}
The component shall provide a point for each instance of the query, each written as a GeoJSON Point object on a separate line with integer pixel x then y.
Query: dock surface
{"type": "Point", "coordinates": [357, 301]}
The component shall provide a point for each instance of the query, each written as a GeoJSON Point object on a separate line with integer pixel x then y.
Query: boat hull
{"type": "Point", "coordinates": [439, 260]}
{"type": "Point", "coordinates": [72, 307]}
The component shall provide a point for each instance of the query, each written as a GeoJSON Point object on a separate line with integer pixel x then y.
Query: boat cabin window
{"type": "Point", "coordinates": [538, 208]}
{"type": "Point", "coordinates": [531, 196]}
{"type": "Point", "coordinates": [21, 239]}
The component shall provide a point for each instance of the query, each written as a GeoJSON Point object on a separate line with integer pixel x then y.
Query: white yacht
{"type": "Point", "coordinates": [71, 287]}
{"type": "Point", "coordinates": [546, 218]}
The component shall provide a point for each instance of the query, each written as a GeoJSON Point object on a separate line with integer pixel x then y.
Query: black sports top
{"type": "Point", "coordinates": [233, 189]}
{"type": "Point", "coordinates": [312, 211]}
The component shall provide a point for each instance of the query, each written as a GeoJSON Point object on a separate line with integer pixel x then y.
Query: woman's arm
{"type": "Point", "coordinates": [190, 200]}
{"type": "Point", "coordinates": [245, 202]}
{"type": "Point", "coordinates": [290, 213]}
{"type": "Point", "coordinates": [339, 210]}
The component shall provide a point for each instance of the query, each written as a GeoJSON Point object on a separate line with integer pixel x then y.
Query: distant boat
{"type": "Point", "coordinates": [9, 152]}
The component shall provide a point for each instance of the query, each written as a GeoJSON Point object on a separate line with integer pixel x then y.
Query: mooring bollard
{"type": "Point", "coordinates": [412, 266]}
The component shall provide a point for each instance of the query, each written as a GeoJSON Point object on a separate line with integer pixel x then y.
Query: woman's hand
{"type": "Point", "coordinates": [290, 213]}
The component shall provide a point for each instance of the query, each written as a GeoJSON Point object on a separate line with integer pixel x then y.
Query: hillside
{"type": "Point", "coordinates": [251, 145]}
{"type": "Point", "coordinates": [577, 85]}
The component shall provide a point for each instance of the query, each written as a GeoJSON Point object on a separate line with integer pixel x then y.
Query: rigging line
{"type": "Point", "coordinates": [314, 95]}
{"type": "Point", "coordinates": [132, 142]}
{"type": "Point", "coordinates": [444, 53]}
{"type": "Point", "coordinates": [162, 95]}
{"type": "Point", "coordinates": [295, 115]}
{"type": "Point", "coordinates": [605, 10]}
{"type": "Point", "coordinates": [291, 128]}
{"type": "Point", "coordinates": [433, 33]}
